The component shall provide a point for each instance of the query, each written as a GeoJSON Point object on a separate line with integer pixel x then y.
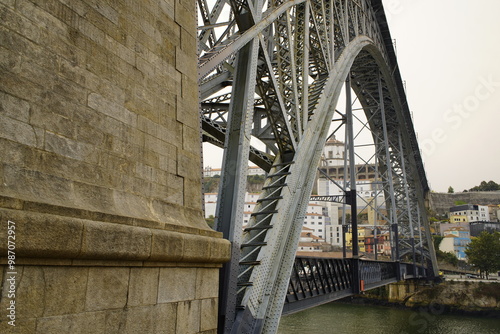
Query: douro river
{"type": "Point", "coordinates": [340, 318]}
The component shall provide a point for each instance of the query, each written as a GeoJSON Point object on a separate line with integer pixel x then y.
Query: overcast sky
{"type": "Point", "coordinates": [449, 55]}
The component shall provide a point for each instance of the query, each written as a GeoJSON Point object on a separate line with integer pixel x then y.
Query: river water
{"type": "Point", "coordinates": [340, 318]}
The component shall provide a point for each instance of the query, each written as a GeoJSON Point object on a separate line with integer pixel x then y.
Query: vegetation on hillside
{"type": "Point", "coordinates": [211, 184]}
{"type": "Point", "coordinates": [210, 221]}
{"type": "Point", "coordinates": [486, 186]}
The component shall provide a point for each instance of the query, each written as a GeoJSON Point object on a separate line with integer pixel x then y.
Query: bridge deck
{"type": "Point", "coordinates": [315, 281]}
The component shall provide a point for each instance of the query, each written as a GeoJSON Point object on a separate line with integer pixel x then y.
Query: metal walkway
{"type": "Point", "coordinates": [270, 76]}
{"type": "Point", "coordinates": [315, 281]}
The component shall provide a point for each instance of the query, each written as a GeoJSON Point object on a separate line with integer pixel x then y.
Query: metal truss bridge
{"type": "Point", "coordinates": [270, 77]}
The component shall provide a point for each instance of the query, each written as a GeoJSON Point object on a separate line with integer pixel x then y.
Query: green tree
{"type": "Point", "coordinates": [447, 257]}
{"type": "Point", "coordinates": [437, 241]}
{"type": "Point", "coordinates": [486, 186]}
{"type": "Point", "coordinates": [450, 190]}
{"type": "Point", "coordinates": [484, 252]}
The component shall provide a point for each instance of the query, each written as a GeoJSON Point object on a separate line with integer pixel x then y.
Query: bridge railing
{"type": "Point", "coordinates": [377, 271]}
{"type": "Point", "coordinates": [409, 270]}
{"type": "Point", "coordinates": [315, 281]}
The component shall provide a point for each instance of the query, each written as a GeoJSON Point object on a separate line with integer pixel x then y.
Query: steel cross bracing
{"type": "Point", "coordinates": [270, 75]}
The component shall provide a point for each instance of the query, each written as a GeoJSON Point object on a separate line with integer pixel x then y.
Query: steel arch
{"type": "Point", "coordinates": [275, 74]}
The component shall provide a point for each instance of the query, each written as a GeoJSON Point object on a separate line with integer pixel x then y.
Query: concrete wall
{"type": "Point", "coordinates": [100, 169]}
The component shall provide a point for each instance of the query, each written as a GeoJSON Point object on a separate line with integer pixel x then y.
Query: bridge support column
{"type": "Point", "coordinates": [100, 170]}
{"type": "Point", "coordinates": [352, 183]}
{"type": "Point", "coordinates": [234, 175]}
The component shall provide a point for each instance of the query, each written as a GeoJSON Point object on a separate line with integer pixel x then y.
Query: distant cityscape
{"type": "Point", "coordinates": [324, 221]}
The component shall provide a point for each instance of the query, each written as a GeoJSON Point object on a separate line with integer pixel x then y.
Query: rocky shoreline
{"type": "Point", "coordinates": [467, 298]}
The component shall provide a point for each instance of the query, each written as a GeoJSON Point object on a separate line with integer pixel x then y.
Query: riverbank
{"type": "Point", "coordinates": [455, 297]}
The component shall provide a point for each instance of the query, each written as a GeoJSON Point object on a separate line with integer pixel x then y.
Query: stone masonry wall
{"type": "Point", "coordinates": [442, 202]}
{"type": "Point", "coordinates": [100, 169]}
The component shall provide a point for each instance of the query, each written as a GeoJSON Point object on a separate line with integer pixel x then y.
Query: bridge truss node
{"type": "Point", "coordinates": [272, 72]}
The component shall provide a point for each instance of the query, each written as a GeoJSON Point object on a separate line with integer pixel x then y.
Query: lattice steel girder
{"type": "Point", "coordinates": [233, 179]}
{"type": "Point", "coordinates": [286, 67]}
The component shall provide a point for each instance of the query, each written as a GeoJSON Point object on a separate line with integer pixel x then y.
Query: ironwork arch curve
{"type": "Point", "coordinates": [276, 74]}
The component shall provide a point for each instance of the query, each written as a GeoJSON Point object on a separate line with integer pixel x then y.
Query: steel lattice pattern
{"type": "Point", "coordinates": [273, 71]}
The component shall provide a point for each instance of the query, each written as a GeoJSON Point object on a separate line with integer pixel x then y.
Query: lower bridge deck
{"type": "Point", "coordinates": [315, 281]}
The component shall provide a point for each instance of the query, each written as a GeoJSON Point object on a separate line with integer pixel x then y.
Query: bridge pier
{"type": "Point", "coordinates": [400, 290]}
{"type": "Point", "coordinates": [101, 225]}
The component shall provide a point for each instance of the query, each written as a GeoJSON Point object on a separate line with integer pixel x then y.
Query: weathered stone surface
{"type": "Point", "coordinates": [115, 241]}
{"type": "Point", "coordinates": [57, 236]}
{"type": "Point", "coordinates": [100, 168]}
{"type": "Point", "coordinates": [38, 234]}
{"type": "Point", "coordinates": [30, 292]}
{"type": "Point", "coordinates": [14, 107]}
{"type": "Point", "coordinates": [17, 131]}
{"type": "Point", "coordinates": [188, 315]}
{"type": "Point", "coordinates": [196, 250]}
{"type": "Point", "coordinates": [183, 14]}
{"type": "Point", "coordinates": [81, 323]}
{"type": "Point", "coordinates": [143, 286]}
{"type": "Point", "coordinates": [140, 320]}
{"type": "Point", "coordinates": [65, 290]}
{"type": "Point", "coordinates": [207, 283]}
{"type": "Point", "coordinates": [91, 91]}
{"type": "Point", "coordinates": [176, 284]}
{"type": "Point", "coordinates": [107, 288]}
{"type": "Point", "coordinates": [220, 250]}
{"type": "Point", "coordinates": [208, 314]}
{"type": "Point", "coordinates": [167, 246]}
{"type": "Point", "coordinates": [23, 326]}
{"type": "Point", "coordinates": [154, 319]}
{"type": "Point", "coordinates": [166, 317]}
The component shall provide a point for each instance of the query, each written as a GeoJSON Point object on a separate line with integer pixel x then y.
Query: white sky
{"type": "Point", "coordinates": [447, 50]}
{"type": "Point", "coordinates": [449, 55]}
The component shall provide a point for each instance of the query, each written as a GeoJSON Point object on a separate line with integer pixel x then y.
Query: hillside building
{"type": "Point", "coordinates": [477, 227]}
{"type": "Point", "coordinates": [455, 240]}
{"type": "Point", "coordinates": [309, 242]}
{"type": "Point", "coordinates": [468, 213]}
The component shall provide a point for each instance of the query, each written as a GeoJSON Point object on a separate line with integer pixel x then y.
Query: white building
{"type": "Point", "coordinates": [469, 213]}
{"type": "Point", "coordinates": [365, 189]}
{"type": "Point", "coordinates": [210, 204]}
{"type": "Point", "coordinates": [333, 152]}
{"type": "Point", "coordinates": [315, 218]}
